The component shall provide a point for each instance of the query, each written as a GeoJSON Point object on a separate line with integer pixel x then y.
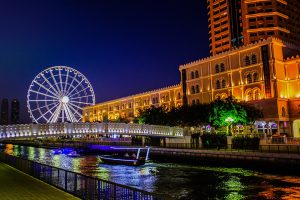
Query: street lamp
{"type": "Point", "coordinates": [229, 120]}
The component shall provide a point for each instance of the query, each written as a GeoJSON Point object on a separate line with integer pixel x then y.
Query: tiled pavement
{"type": "Point", "coordinates": [15, 185]}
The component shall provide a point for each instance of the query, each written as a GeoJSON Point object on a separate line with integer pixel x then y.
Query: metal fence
{"type": "Point", "coordinates": [82, 186]}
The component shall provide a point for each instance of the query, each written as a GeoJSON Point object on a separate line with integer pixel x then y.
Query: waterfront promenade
{"type": "Point", "coordinates": [15, 185]}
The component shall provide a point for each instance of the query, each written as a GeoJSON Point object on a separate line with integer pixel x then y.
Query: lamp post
{"type": "Point", "coordinates": [229, 121]}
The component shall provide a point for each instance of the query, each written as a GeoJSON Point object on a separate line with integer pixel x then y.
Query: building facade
{"type": "Point", "coordinates": [234, 23]}
{"type": "Point", "coordinates": [265, 74]}
{"type": "Point", "coordinates": [261, 73]}
{"type": "Point", "coordinates": [128, 107]}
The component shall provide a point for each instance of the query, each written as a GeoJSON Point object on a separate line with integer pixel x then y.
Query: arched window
{"type": "Point", "coordinates": [193, 89]}
{"type": "Point", "coordinates": [253, 59]}
{"type": "Point", "coordinates": [256, 95]}
{"type": "Point", "coordinates": [283, 113]}
{"type": "Point", "coordinates": [217, 68]}
{"type": "Point", "coordinates": [193, 101]}
{"type": "Point", "coordinates": [218, 84]}
{"type": "Point", "coordinates": [192, 75]}
{"type": "Point", "coordinates": [249, 95]}
{"type": "Point", "coordinates": [223, 83]}
{"type": "Point", "coordinates": [197, 101]}
{"type": "Point", "coordinates": [255, 77]}
{"type": "Point", "coordinates": [178, 95]}
{"type": "Point", "coordinates": [247, 61]}
{"type": "Point", "coordinates": [196, 74]}
{"type": "Point", "coordinates": [222, 67]}
{"type": "Point", "coordinates": [197, 89]}
{"type": "Point", "coordinates": [249, 78]}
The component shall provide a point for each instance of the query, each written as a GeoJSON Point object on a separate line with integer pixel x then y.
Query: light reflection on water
{"type": "Point", "coordinates": [178, 180]}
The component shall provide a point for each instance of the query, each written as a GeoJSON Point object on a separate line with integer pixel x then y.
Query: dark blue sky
{"type": "Point", "coordinates": [122, 46]}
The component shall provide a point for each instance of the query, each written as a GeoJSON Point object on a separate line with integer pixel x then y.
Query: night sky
{"type": "Point", "coordinates": [122, 46]}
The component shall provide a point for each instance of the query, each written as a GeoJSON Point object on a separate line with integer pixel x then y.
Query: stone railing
{"type": "Point", "coordinates": [79, 129]}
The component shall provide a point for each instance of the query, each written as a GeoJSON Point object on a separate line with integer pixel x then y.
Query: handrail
{"type": "Point", "coordinates": [80, 185]}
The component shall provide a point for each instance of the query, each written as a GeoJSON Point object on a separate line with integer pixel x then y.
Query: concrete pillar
{"type": "Point", "coordinates": [143, 140]}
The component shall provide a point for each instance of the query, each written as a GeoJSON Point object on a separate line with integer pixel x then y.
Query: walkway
{"type": "Point", "coordinates": [17, 185]}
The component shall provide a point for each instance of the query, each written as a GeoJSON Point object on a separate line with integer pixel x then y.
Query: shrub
{"type": "Point", "coordinates": [214, 140]}
{"type": "Point", "coordinates": [242, 142]}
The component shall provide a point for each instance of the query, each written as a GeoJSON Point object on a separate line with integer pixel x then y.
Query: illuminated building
{"type": "Point", "coordinates": [261, 73]}
{"type": "Point", "coordinates": [15, 112]}
{"type": "Point", "coordinates": [265, 73]}
{"type": "Point", "coordinates": [233, 23]}
{"type": "Point", "coordinates": [128, 107]}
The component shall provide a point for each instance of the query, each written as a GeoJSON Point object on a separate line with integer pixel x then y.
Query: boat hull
{"type": "Point", "coordinates": [122, 161]}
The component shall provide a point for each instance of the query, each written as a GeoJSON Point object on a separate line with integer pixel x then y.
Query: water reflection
{"type": "Point", "coordinates": [177, 180]}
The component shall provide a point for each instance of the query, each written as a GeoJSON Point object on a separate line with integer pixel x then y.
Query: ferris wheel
{"type": "Point", "coordinates": [58, 94]}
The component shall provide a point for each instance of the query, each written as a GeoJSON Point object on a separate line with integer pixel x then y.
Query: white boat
{"type": "Point", "coordinates": [127, 159]}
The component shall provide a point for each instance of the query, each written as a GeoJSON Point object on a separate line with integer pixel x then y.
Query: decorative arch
{"type": "Point", "coordinates": [218, 84]}
{"type": "Point", "coordinates": [193, 89]}
{"type": "Point", "coordinates": [255, 76]}
{"type": "Point", "coordinates": [247, 60]}
{"type": "Point", "coordinates": [253, 59]}
{"type": "Point", "coordinates": [252, 94]}
{"type": "Point", "coordinates": [217, 69]}
{"type": "Point", "coordinates": [223, 83]}
{"type": "Point", "coordinates": [196, 74]}
{"type": "Point", "coordinates": [222, 67]}
{"type": "Point", "coordinates": [192, 75]}
{"type": "Point", "coordinates": [197, 89]}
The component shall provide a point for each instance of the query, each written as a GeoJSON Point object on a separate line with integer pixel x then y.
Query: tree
{"type": "Point", "coordinates": [153, 115]}
{"type": "Point", "coordinates": [227, 112]}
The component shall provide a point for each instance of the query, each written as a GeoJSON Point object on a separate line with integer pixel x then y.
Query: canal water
{"type": "Point", "coordinates": [180, 181]}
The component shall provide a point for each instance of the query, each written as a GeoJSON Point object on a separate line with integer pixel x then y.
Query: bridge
{"type": "Point", "coordinates": [80, 129]}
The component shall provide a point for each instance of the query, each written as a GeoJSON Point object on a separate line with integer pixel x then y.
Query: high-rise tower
{"type": "Point", "coordinates": [232, 23]}
{"type": "Point", "coordinates": [15, 112]}
{"type": "Point", "coordinates": [4, 112]}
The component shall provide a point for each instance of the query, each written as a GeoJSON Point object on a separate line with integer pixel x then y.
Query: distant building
{"type": "Point", "coordinates": [4, 120]}
{"type": "Point", "coordinates": [233, 23]}
{"type": "Point", "coordinates": [15, 112]}
{"type": "Point", "coordinates": [128, 107]}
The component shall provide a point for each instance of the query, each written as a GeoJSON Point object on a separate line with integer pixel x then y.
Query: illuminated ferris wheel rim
{"type": "Point", "coordinates": [58, 94]}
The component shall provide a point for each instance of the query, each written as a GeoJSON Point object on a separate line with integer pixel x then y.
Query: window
{"type": "Point", "coordinates": [255, 77]}
{"type": "Point", "coordinates": [218, 84]}
{"type": "Point", "coordinates": [197, 101]}
{"type": "Point", "coordinates": [197, 89]}
{"type": "Point", "coordinates": [256, 95]}
{"type": "Point", "coordinates": [249, 95]}
{"type": "Point", "coordinates": [223, 83]}
{"type": "Point", "coordinates": [193, 89]}
{"type": "Point", "coordinates": [217, 68]}
{"type": "Point", "coordinates": [222, 67]}
{"type": "Point", "coordinates": [253, 59]}
{"type": "Point", "coordinates": [192, 75]}
{"type": "Point", "coordinates": [178, 95]}
{"type": "Point", "coordinates": [249, 78]}
{"type": "Point", "coordinates": [247, 61]}
{"type": "Point", "coordinates": [193, 102]}
{"type": "Point", "coordinates": [196, 74]}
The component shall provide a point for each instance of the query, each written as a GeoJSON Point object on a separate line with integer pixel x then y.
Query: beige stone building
{"type": "Point", "coordinates": [265, 73]}
{"type": "Point", "coordinates": [128, 107]}
{"type": "Point", "coordinates": [261, 73]}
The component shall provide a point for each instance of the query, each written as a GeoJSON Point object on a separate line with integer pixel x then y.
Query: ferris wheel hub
{"type": "Point", "coordinates": [65, 99]}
